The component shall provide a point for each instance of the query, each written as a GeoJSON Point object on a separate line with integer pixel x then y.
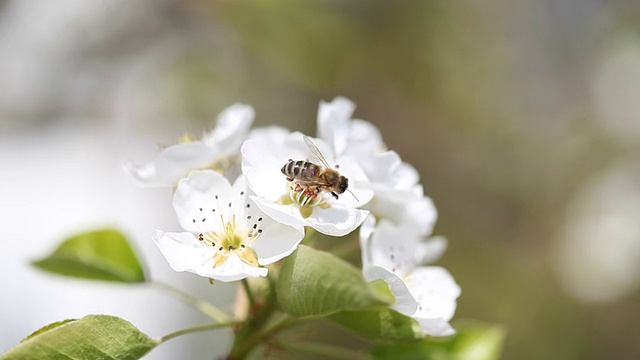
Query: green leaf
{"type": "Point", "coordinates": [92, 337]}
{"type": "Point", "coordinates": [473, 341]}
{"type": "Point", "coordinates": [381, 323]}
{"type": "Point", "coordinates": [314, 283]}
{"type": "Point", "coordinates": [100, 255]}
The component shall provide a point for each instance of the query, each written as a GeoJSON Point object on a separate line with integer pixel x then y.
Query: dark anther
{"type": "Point", "coordinates": [230, 247]}
{"type": "Point", "coordinates": [216, 197]}
{"type": "Point", "coordinates": [260, 231]}
{"type": "Point", "coordinates": [259, 219]}
{"type": "Point", "coordinates": [255, 226]}
{"type": "Point", "coordinates": [194, 220]}
{"type": "Point", "coordinates": [242, 246]}
{"type": "Point", "coordinates": [200, 209]}
{"type": "Point", "coordinates": [249, 217]}
{"type": "Point", "coordinates": [203, 219]}
{"type": "Point", "coordinates": [220, 248]}
{"type": "Point", "coordinates": [248, 205]}
{"type": "Point", "coordinates": [214, 210]}
{"type": "Point", "coordinates": [241, 193]}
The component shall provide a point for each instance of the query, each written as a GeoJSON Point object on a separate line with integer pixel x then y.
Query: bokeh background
{"type": "Point", "coordinates": [523, 119]}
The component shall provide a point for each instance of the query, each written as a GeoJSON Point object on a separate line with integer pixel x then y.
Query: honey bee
{"type": "Point", "coordinates": [314, 178]}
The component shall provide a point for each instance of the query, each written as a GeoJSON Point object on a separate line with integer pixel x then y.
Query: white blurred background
{"type": "Point", "coordinates": [523, 119]}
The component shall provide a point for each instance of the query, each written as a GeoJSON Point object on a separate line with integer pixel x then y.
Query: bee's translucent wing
{"type": "Point", "coordinates": [316, 155]}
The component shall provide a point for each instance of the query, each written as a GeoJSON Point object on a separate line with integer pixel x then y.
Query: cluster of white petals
{"type": "Point", "coordinates": [232, 231]}
{"type": "Point", "coordinates": [395, 238]}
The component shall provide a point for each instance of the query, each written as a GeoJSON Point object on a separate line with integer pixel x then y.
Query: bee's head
{"type": "Point", "coordinates": [344, 184]}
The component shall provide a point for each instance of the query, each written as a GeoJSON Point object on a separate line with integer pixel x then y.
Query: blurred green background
{"type": "Point", "coordinates": [523, 119]}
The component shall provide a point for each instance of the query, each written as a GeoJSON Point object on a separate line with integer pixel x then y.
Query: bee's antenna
{"type": "Point", "coordinates": [354, 195]}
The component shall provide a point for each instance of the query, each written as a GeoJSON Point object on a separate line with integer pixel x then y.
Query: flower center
{"type": "Point", "coordinates": [307, 197]}
{"type": "Point", "coordinates": [232, 239]}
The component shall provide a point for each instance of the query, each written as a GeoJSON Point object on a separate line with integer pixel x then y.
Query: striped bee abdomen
{"type": "Point", "coordinates": [301, 170]}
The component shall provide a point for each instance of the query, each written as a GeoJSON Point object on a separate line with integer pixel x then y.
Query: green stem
{"type": "Point", "coordinates": [247, 289]}
{"type": "Point", "coordinates": [328, 351]}
{"type": "Point", "coordinates": [309, 236]}
{"type": "Point", "coordinates": [196, 329]}
{"type": "Point", "coordinates": [204, 307]}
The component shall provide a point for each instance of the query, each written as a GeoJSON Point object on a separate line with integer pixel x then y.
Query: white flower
{"type": "Point", "coordinates": [294, 204]}
{"type": "Point", "coordinates": [227, 237]}
{"type": "Point", "coordinates": [426, 293]}
{"type": "Point", "coordinates": [217, 150]}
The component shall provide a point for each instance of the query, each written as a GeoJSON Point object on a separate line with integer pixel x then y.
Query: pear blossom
{"type": "Point", "coordinates": [396, 254]}
{"type": "Point", "coordinates": [217, 150]}
{"type": "Point", "coordinates": [292, 204]}
{"type": "Point", "coordinates": [226, 236]}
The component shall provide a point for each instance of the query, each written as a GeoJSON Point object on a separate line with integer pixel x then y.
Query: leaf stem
{"type": "Point", "coordinates": [204, 307]}
{"type": "Point", "coordinates": [196, 329]}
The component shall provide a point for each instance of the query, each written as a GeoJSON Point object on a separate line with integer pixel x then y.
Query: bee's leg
{"type": "Point", "coordinates": [289, 179]}
{"type": "Point", "coordinates": [334, 195]}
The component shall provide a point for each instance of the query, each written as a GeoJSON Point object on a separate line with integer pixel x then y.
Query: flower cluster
{"type": "Point", "coordinates": [244, 198]}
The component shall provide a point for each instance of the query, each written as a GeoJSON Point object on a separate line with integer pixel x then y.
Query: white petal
{"type": "Point", "coordinates": [172, 164]}
{"type": "Point", "coordinates": [359, 185]}
{"type": "Point", "coordinates": [380, 167]}
{"type": "Point", "coordinates": [392, 248]}
{"type": "Point", "coordinates": [364, 134]}
{"type": "Point", "coordinates": [435, 290]}
{"type": "Point", "coordinates": [435, 327]}
{"type": "Point", "coordinates": [182, 250]}
{"type": "Point", "coordinates": [195, 201]}
{"type": "Point", "coordinates": [404, 208]}
{"type": "Point", "coordinates": [431, 250]}
{"type": "Point", "coordinates": [231, 270]}
{"type": "Point", "coordinates": [267, 181]}
{"type": "Point", "coordinates": [366, 230]}
{"type": "Point", "coordinates": [405, 303]}
{"type": "Point", "coordinates": [296, 148]}
{"type": "Point", "coordinates": [334, 122]}
{"type": "Point", "coordinates": [272, 134]}
{"type": "Point", "coordinates": [184, 253]}
{"type": "Point", "coordinates": [276, 241]}
{"type": "Point", "coordinates": [285, 214]}
{"type": "Point", "coordinates": [336, 221]}
{"type": "Point", "coordinates": [406, 176]}
{"type": "Point", "coordinates": [232, 127]}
